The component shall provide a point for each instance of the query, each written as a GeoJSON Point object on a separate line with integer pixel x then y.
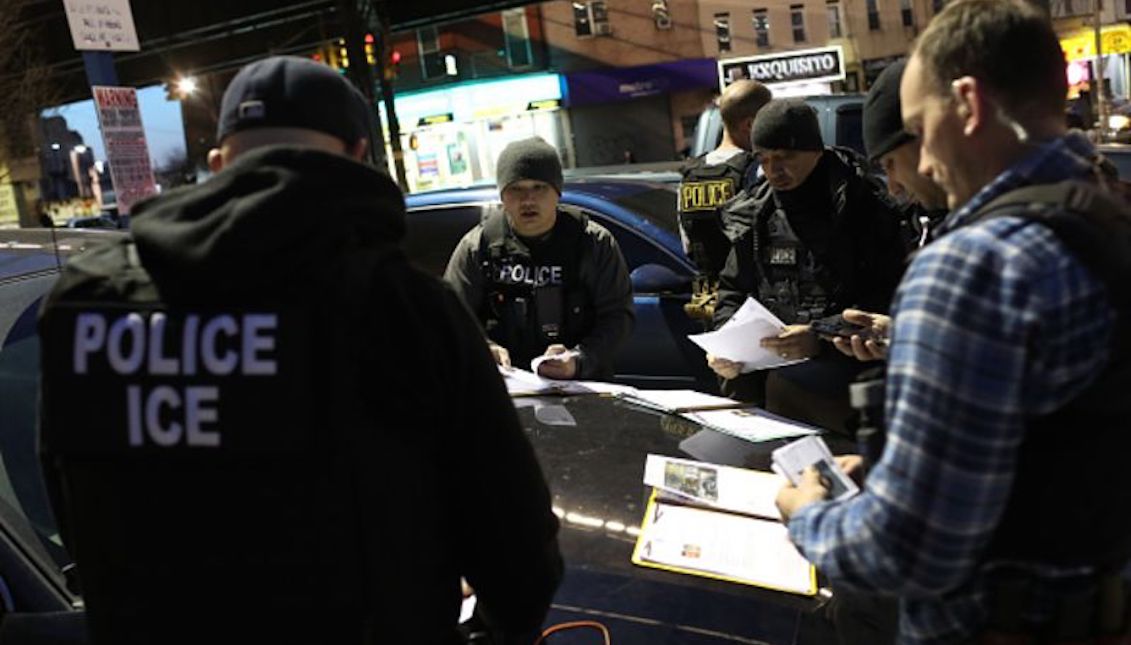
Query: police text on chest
{"type": "Point", "coordinates": [535, 276]}
{"type": "Point", "coordinates": [205, 345]}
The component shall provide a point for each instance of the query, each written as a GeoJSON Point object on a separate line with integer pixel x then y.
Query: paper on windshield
{"type": "Point", "coordinates": [520, 382]}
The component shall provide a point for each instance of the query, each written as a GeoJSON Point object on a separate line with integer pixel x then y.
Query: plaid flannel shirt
{"type": "Point", "coordinates": [963, 376]}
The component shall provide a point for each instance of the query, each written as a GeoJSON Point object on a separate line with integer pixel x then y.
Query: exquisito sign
{"type": "Point", "coordinates": [801, 66]}
{"type": "Point", "coordinates": [120, 118]}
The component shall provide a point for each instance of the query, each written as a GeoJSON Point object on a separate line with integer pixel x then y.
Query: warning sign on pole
{"type": "Point", "coordinates": [130, 170]}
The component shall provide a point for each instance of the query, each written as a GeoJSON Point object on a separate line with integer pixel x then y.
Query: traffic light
{"type": "Point", "coordinates": [370, 50]}
{"type": "Point", "coordinates": [394, 65]}
{"type": "Point", "coordinates": [343, 55]}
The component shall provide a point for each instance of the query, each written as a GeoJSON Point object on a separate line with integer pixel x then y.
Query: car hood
{"type": "Point", "coordinates": [274, 212]}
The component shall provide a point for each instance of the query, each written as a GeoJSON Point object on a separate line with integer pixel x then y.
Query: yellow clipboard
{"type": "Point", "coordinates": [639, 559]}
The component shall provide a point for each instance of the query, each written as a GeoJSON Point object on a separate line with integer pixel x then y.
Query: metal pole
{"type": "Point", "coordinates": [1101, 100]}
{"type": "Point", "coordinates": [361, 75]}
{"type": "Point", "coordinates": [386, 84]}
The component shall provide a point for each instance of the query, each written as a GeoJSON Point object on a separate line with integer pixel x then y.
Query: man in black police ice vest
{"type": "Point", "coordinates": [543, 280]}
{"type": "Point", "coordinates": [261, 425]}
{"type": "Point", "coordinates": [818, 236]}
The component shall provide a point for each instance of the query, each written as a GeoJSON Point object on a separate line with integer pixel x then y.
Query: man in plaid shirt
{"type": "Point", "coordinates": [1002, 340]}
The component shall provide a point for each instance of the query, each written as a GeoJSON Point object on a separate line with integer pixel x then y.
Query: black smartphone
{"type": "Point", "coordinates": [836, 325]}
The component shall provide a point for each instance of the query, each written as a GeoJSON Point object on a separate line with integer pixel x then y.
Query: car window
{"type": "Point", "coordinates": [433, 232]}
{"type": "Point", "coordinates": [636, 248]}
{"type": "Point", "coordinates": [850, 127]}
{"type": "Point", "coordinates": [1121, 159]}
{"type": "Point", "coordinates": [657, 204]}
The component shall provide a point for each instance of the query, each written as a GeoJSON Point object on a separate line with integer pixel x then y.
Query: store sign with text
{"type": "Point", "coordinates": [786, 68]}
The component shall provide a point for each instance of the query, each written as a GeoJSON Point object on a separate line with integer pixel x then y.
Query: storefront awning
{"type": "Point", "coordinates": [612, 84]}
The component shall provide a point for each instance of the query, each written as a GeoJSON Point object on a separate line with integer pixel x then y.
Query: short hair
{"type": "Point", "coordinates": [741, 100]}
{"type": "Point", "coordinates": [1008, 45]}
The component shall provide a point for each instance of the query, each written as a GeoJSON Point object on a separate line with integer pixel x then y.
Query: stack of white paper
{"type": "Point", "coordinates": [520, 382]}
{"type": "Point", "coordinates": [739, 339]}
{"type": "Point", "coordinates": [751, 424]}
{"type": "Point", "coordinates": [679, 400]}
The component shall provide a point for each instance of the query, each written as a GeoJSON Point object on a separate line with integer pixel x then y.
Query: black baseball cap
{"type": "Point", "coordinates": [883, 124]}
{"type": "Point", "coordinates": [293, 92]}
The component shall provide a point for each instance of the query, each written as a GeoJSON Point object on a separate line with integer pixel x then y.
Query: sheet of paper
{"type": "Point", "coordinates": [467, 609]}
{"type": "Point", "coordinates": [733, 489]}
{"type": "Point", "coordinates": [750, 424]}
{"type": "Point", "coordinates": [742, 548]}
{"type": "Point", "coordinates": [792, 459]}
{"type": "Point", "coordinates": [538, 360]}
{"type": "Point", "coordinates": [739, 339]}
{"type": "Point", "coordinates": [678, 400]}
{"type": "Point", "coordinates": [520, 382]}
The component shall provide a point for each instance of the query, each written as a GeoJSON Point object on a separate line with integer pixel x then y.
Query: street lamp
{"type": "Point", "coordinates": [186, 85]}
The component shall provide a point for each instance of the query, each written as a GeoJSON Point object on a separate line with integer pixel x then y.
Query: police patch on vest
{"type": "Point", "coordinates": [515, 273]}
{"type": "Point", "coordinates": [164, 381]}
{"type": "Point", "coordinates": [783, 255]}
{"type": "Point", "coordinates": [705, 195]}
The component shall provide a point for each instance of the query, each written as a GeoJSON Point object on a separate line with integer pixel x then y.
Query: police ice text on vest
{"type": "Point", "coordinates": [215, 345]}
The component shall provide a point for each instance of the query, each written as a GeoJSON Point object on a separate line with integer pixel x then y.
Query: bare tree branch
{"type": "Point", "coordinates": [24, 85]}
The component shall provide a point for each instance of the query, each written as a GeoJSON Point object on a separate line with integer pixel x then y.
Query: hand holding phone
{"type": "Point", "coordinates": [836, 326]}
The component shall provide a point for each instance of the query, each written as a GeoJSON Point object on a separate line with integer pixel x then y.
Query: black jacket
{"type": "Point", "coordinates": [864, 253]}
{"type": "Point", "coordinates": [603, 283]}
{"type": "Point", "coordinates": [378, 461]}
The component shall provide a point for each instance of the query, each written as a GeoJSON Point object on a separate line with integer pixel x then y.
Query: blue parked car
{"type": "Point", "coordinates": [641, 215]}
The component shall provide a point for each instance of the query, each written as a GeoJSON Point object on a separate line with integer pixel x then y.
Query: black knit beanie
{"type": "Point", "coordinates": [531, 158]}
{"type": "Point", "coordinates": [786, 124]}
{"type": "Point", "coordinates": [883, 124]}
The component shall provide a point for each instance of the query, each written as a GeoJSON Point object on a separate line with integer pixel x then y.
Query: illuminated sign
{"type": "Point", "coordinates": [1114, 39]}
{"type": "Point", "coordinates": [433, 119]}
{"type": "Point", "coordinates": [801, 66]}
{"type": "Point", "coordinates": [547, 104]}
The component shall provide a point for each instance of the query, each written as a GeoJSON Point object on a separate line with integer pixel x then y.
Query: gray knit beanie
{"type": "Point", "coordinates": [786, 124]}
{"type": "Point", "coordinates": [531, 158]}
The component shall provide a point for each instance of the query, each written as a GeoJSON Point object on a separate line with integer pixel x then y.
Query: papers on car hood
{"type": "Point", "coordinates": [520, 382]}
{"type": "Point", "coordinates": [739, 339]}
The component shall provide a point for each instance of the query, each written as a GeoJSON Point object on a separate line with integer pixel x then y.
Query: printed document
{"type": "Point", "coordinates": [739, 339]}
{"type": "Point", "coordinates": [734, 489]}
{"type": "Point", "coordinates": [719, 545]}
{"type": "Point", "coordinates": [679, 400]}
{"type": "Point", "coordinates": [751, 424]}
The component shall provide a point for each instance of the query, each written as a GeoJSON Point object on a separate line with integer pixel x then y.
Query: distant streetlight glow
{"type": "Point", "coordinates": [186, 85]}
{"type": "Point", "coordinates": [81, 149]}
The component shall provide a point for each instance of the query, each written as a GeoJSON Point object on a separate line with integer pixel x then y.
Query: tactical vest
{"type": "Point", "coordinates": [1068, 505]}
{"type": "Point", "coordinates": [788, 282]}
{"type": "Point", "coordinates": [702, 192]}
{"type": "Point", "coordinates": [537, 299]}
{"type": "Point", "coordinates": [202, 460]}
